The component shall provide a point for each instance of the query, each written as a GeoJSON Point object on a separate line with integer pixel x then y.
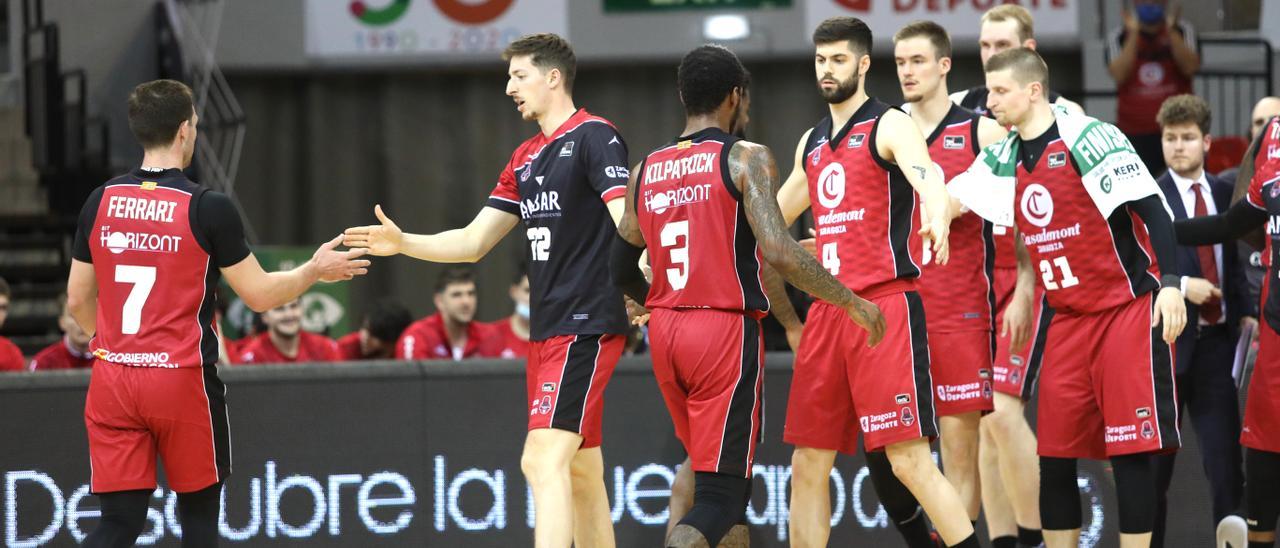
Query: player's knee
{"type": "Point", "coordinates": [910, 467]}
{"type": "Point", "coordinates": [537, 464]}
{"type": "Point", "coordinates": [1003, 422]}
{"type": "Point", "coordinates": [811, 466]}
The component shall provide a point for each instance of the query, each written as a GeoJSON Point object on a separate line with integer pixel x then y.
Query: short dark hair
{"type": "Point", "coordinates": [1185, 108]}
{"type": "Point", "coordinates": [4, 288]}
{"type": "Point", "coordinates": [852, 29]}
{"type": "Point", "coordinates": [546, 51]}
{"type": "Point", "coordinates": [454, 275]}
{"type": "Point", "coordinates": [1026, 64]}
{"type": "Point", "coordinates": [927, 29]}
{"type": "Point", "coordinates": [387, 319]}
{"type": "Point", "coordinates": [706, 76]}
{"type": "Point", "coordinates": [156, 110]}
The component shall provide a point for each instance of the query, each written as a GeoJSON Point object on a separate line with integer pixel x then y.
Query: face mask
{"type": "Point", "coordinates": [1150, 14]}
{"type": "Point", "coordinates": [522, 310]}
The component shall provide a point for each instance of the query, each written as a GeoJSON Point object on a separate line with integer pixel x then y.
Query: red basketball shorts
{"type": "Point", "coordinates": [710, 367]}
{"type": "Point", "coordinates": [1107, 387]}
{"type": "Point", "coordinates": [1015, 374]}
{"type": "Point", "coordinates": [840, 386]}
{"type": "Point", "coordinates": [133, 414]}
{"type": "Point", "coordinates": [565, 380]}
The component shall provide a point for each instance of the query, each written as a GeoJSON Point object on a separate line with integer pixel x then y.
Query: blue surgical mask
{"type": "Point", "coordinates": [522, 310]}
{"type": "Point", "coordinates": [1150, 14]}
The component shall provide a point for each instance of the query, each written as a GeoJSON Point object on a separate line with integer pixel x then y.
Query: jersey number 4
{"type": "Point", "coordinates": [143, 279]}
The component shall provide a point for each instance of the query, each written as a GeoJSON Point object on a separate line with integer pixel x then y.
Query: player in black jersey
{"type": "Point", "coordinates": [567, 184]}
{"type": "Point", "coordinates": [1005, 26]}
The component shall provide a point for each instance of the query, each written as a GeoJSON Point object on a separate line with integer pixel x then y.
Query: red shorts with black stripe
{"type": "Point", "coordinates": [565, 381]}
{"type": "Point", "coordinates": [960, 364]}
{"type": "Point", "coordinates": [1107, 387]}
{"type": "Point", "coordinates": [1261, 428]}
{"type": "Point", "coordinates": [133, 414]}
{"type": "Point", "coordinates": [1015, 373]}
{"type": "Point", "coordinates": [840, 386]}
{"type": "Point", "coordinates": [710, 368]}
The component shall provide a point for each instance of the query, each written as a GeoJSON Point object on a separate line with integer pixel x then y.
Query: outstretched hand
{"type": "Point", "coordinates": [381, 239]}
{"type": "Point", "coordinates": [335, 266]}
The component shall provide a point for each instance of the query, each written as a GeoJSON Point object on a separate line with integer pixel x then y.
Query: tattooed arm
{"type": "Point", "coordinates": [898, 140]}
{"type": "Point", "coordinates": [754, 172]}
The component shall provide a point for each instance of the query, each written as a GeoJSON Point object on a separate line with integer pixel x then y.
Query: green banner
{"type": "Point", "coordinates": [664, 5]}
{"type": "Point", "coordinates": [324, 306]}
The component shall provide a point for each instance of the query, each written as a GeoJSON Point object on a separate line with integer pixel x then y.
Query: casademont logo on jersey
{"type": "Point", "coordinates": [831, 189]}
{"type": "Point", "coordinates": [119, 242]}
{"type": "Point", "coordinates": [1037, 208]}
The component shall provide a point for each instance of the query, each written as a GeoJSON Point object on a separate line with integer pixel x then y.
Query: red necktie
{"type": "Point", "coordinates": [1211, 310]}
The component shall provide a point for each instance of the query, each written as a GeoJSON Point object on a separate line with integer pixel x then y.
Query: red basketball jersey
{"type": "Point", "coordinates": [1086, 262]}
{"type": "Point", "coordinates": [863, 207]}
{"type": "Point", "coordinates": [958, 296]}
{"type": "Point", "coordinates": [155, 308]}
{"type": "Point", "coordinates": [701, 248]}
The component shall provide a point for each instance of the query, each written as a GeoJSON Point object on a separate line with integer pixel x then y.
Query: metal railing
{"type": "Point", "coordinates": [191, 31]}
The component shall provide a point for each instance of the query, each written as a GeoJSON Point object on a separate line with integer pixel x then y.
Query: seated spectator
{"type": "Point", "coordinates": [285, 341]}
{"type": "Point", "coordinates": [10, 355]}
{"type": "Point", "coordinates": [1264, 110]}
{"type": "Point", "coordinates": [377, 336]}
{"type": "Point", "coordinates": [450, 333]}
{"type": "Point", "coordinates": [72, 352]}
{"type": "Point", "coordinates": [511, 334]}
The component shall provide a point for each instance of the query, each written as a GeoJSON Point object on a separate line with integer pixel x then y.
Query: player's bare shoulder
{"type": "Point", "coordinates": [752, 163]}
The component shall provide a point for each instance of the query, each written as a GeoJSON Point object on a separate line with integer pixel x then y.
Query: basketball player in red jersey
{"type": "Point", "coordinates": [1096, 224]}
{"type": "Point", "coordinates": [142, 239]}
{"type": "Point", "coordinates": [567, 185]}
{"type": "Point", "coordinates": [959, 297]}
{"type": "Point", "coordinates": [1260, 433]}
{"type": "Point", "coordinates": [1010, 480]}
{"type": "Point", "coordinates": [860, 169]}
{"type": "Point", "coordinates": [706, 201]}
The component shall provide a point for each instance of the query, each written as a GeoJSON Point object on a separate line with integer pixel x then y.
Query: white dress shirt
{"type": "Point", "coordinates": [1187, 189]}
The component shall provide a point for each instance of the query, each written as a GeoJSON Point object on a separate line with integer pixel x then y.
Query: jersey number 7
{"type": "Point", "coordinates": [143, 279]}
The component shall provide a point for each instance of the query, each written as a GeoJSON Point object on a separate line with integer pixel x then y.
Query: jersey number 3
{"type": "Point", "coordinates": [673, 234]}
{"type": "Point", "coordinates": [142, 278]}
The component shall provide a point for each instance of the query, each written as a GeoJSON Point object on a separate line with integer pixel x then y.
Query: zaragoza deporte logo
{"type": "Point", "coordinates": [379, 16]}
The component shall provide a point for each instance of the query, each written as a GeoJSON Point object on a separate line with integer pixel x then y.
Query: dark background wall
{"type": "Point", "coordinates": [321, 149]}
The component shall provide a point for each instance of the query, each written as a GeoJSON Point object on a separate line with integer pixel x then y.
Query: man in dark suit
{"type": "Point", "coordinates": [1217, 307]}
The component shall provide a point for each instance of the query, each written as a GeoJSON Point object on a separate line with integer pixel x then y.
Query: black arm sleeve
{"type": "Point", "coordinates": [623, 266]}
{"type": "Point", "coordinates": [1160, 228]}
{"type": "Point", "coordinates": [84, 226]}
{"type": "Point", "coordinates": [1237, 221]}
{"type": "Point", "coordinates": [219, 223]}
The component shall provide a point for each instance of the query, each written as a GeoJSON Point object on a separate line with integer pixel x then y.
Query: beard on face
{"type": "Point", "coordinates": [843, 91]}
